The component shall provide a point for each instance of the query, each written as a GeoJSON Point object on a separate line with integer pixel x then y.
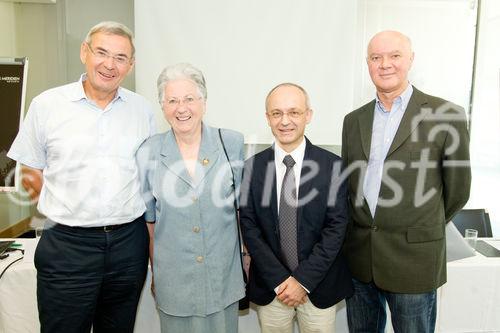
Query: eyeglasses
{"type": "Point", "coordinates": [187, 100]}
{"type": "Point", "coordinates": [104, 55]}
{"type": "Point", "coordinates": [278, 114]}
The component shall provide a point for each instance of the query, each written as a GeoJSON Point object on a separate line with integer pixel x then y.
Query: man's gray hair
{"type": "Point", "coordinates": [111, 28]}
{"type": "Point", "coordinates": [181, 71]}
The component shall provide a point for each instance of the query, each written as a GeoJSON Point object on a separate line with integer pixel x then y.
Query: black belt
{"type": "Point", "coordinates": [106, 228]}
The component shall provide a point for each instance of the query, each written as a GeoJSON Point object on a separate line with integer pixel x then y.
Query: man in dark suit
{"type": "Point", "coordinates": [407, 156]}
{"type": "Point", "coordinates": [293, 218]}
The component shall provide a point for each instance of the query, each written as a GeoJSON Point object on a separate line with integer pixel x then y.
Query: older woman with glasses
{"type": "Point", "coordinates": [187, 182]}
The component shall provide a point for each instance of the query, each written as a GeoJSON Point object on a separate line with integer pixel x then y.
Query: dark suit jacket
{"type": "Point", "coordinates": [402, 249]}
{"type": "Point", "coordinates": [321, 227]}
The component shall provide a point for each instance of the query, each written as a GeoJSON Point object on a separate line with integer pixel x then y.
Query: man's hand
{"type": "Point", "coordinates": [246, 261]}
{"type": "Point", "coordinates": [291, 293]}
{"type": "Point", "coordinates": [153, 291]}
{"type": "Point", "coordinates": [32, 181]}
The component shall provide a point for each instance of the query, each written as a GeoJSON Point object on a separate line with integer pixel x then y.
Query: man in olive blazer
{"type": "Point", "coordinates": [407, 156]}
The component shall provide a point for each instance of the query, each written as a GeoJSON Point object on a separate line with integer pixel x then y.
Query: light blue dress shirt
{"type": "Point", "coordinates": [385, 127]}
{"type": "Point", "coordinates": [87, 154]}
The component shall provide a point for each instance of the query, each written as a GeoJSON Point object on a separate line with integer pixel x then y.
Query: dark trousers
{"type": "Point", "coordinates": [410, 313]}
{"type": "Point", "coordinates": [90, 278]}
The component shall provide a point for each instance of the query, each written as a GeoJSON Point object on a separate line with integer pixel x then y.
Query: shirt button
{"type": "Point", "coordinates": [196, 229]}
{"type": "Point", "coordinates": [374, 228]}
{"type": "Point", "coordinates": [199, 259]}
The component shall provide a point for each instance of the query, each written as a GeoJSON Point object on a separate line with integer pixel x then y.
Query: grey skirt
{"type": "Point", "coordinates": [224, 321]}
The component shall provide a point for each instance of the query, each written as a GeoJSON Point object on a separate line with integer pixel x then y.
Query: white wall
{"type": "Point", "coordinates": [485, 130]}
{"type": "Point", "coordinates": [442, 34]}
{"type": "Point", "coordinates": [7, 29]}
{"type": "Point", "coordinates": [79, 16]}
{"type": "Point", "coordinates": [37, 38]}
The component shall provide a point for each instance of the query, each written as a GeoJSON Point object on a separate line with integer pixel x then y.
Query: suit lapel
{"type": "Point", "coordinates": [304, 188]}
{"type": "Point", "coordinates": [171, 157]}
{"type": "Point", "coordinates": [274, 195]}
{"type": "Point", "coordinates": [365, 122]}
{"type": "Point", "coordinates": [415, 112]}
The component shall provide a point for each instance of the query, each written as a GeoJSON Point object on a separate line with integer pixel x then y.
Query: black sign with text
{"type": "Point", "coordinates": [11, 95]}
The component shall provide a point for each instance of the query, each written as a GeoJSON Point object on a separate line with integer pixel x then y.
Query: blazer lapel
{"type": "Point", "coordinates": [365, 121]}
{"type": "Point", "coordinates": [415, 112]}
{"type": "Point", "coordinates": [171, 157]}
{"type": "Point", "coordinates": [274, 195]}
{"type": "Point", "coordinates": [208, 154]}
{"type": "Point", "coordinates": [304, 188]}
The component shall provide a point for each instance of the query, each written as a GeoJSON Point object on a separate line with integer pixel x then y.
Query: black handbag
{"type": "Point", "coordinates": [244, 303]}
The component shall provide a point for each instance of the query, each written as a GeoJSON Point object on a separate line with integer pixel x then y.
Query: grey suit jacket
{"type": "Point", "coordinates": [402, 248]}
{"type": "Point", "coordinates": [196, 263]}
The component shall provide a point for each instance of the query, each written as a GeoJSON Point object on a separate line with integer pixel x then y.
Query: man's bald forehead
{"type": "Point", "coordinates": [390, 35]}
{"type": "Point", "coordinates": [290, 85]}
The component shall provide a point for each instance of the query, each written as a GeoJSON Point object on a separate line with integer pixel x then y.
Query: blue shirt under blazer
{"type": "Point", "coordinates": [197, 267]}
{"type": "Point", "coordinates": [321, 227]}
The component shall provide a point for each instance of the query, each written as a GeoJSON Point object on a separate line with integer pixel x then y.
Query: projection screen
{"type": "Point", "coordinates": [244, 48]}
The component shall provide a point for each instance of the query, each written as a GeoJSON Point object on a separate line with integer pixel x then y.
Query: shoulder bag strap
{"type": "Point", "coordinates": [235, 206]}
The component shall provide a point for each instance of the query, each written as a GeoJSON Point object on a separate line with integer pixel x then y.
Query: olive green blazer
{"type": "Point", "coordinates": [427, 176]}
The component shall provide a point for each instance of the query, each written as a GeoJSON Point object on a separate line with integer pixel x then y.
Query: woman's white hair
{"type": "Point", "coordinates": [181, 71]}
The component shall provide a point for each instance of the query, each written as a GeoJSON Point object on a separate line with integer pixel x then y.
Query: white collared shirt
{"type": "Point", "coordinates": [297, 155]}
{"type": "Point", "coordinates": [87, 154]}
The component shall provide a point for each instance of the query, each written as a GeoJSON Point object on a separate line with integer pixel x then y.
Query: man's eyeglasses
{"type": "Point", "coordinates": [278, 114]}
{"type": "Point", "coordinates": [104, 55]}
{"type": "Point", "coordinates": [187, 100]}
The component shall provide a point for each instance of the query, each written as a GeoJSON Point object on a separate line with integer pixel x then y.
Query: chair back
{"type": "Point", "coordinates": [473, 219]}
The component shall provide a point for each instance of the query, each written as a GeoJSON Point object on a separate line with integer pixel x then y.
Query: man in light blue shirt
{"type": "Point", "coordinates": [77, 148]}
{"type": "Point", "coordinates": [408, 156]}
